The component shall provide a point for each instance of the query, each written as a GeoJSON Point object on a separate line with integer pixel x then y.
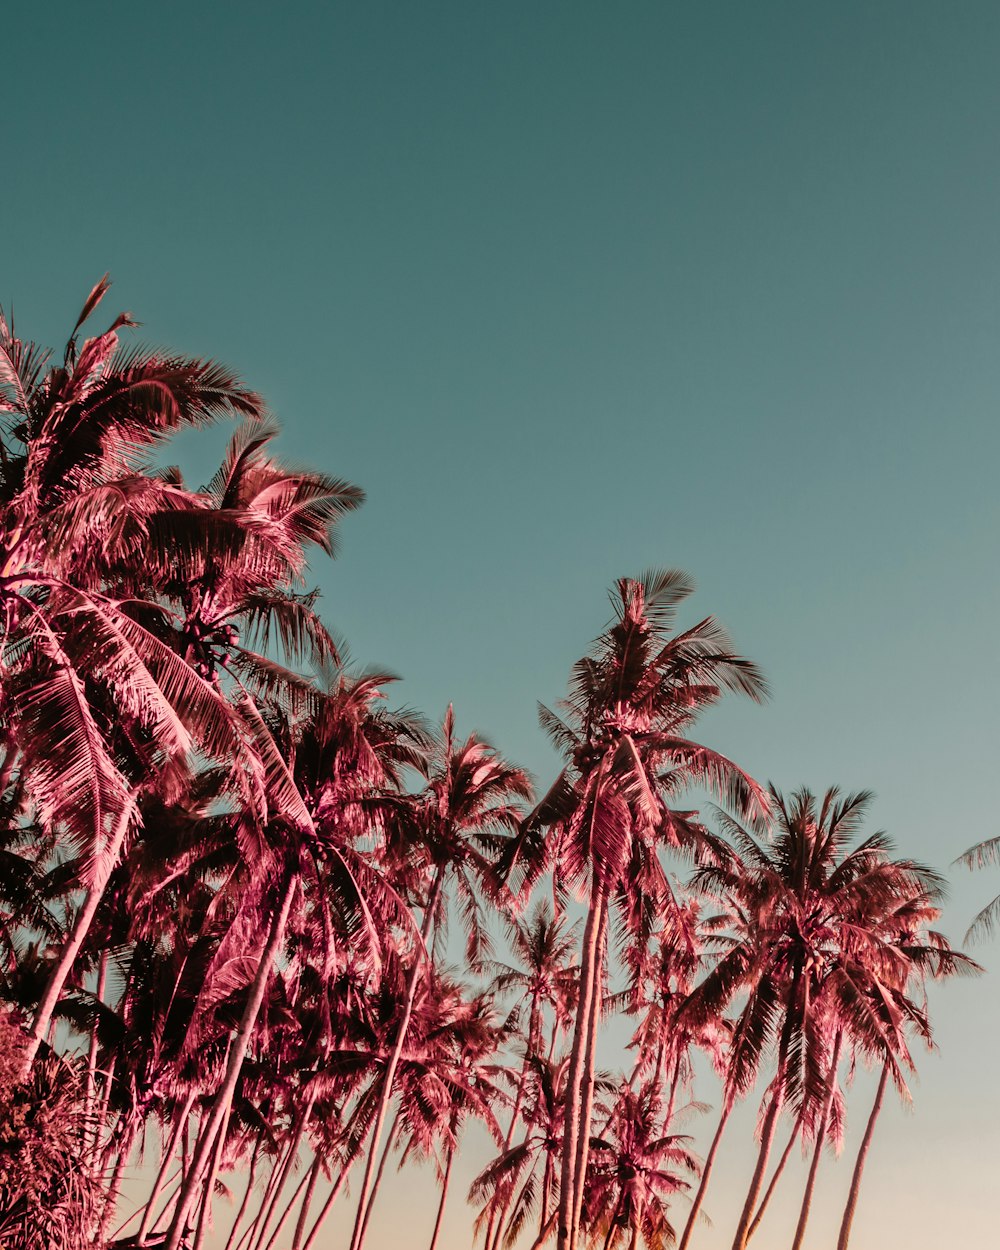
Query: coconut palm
{"type": "Point", "coordinates": [662, 976]}
{"type": "Point", "coordinates": [523, 1181]}
{"type": "Point", "coordinates": [897, 1001]}
{"type": "Point", "coordinates": [543, 977]}
{"type": "Point", "coordinates": [451, 833]}
{"type": "Point", "coordinates": [635, 1169]}
{"type": "Point", "coordinates": [631, 703]}
{"type": "Point", "coordinates": [806, 942]}
{"type": "Point", "coordinates": [309, 857]}
{"type": "Point", "coordinates": [73, 509]}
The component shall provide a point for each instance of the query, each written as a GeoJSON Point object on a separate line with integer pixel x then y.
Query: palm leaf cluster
{"type": "Point", "coordinates": [232, 874]}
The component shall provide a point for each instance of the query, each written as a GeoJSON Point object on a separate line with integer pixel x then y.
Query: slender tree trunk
{"type": "Point", "coordinates": [390, 1072]}
{"type": "Point", "coordinates": [279, 1227]}
{"type": "Point", "coordinates": [757, 1180]}
{"type": "Point", "coordinates": [205, 1215]}
{"type": "Point", "coordinates": [300, 1223]}
{"type": "Point", "coordinates": [496, 1219]}
{"type": "Point", "coordinates": [377, 1183]}
{"type": "Point", "coordinates": [444, 1198]}
{"type": "Point", "coordinates": [674, 1082]}
{"type": "Point", "coordinates": [252, 1233]}
{"type": "Point", "coordinates": [331, 1198]}
{"type": "Point", "coordinates": [109, 1076]}
{"type": "Point", "coordinates": [545, 1231]}
{"type": "Point", "coordinates": [571, 1123]}
{"type": "Point", "coordinates": [246, 1195]}
{"type": "Point", "coordinates": [179, 1178]}
{"type": "Point", "coordinates": [767, 1131]}
{"type": "Point", "coordinates": [587, 1077]}
{"type": "Point", "coordinates": [543, 1218]}
{"type": "Point", "coordinates": [282, 1173]}
{"type": "Point", "coordinates": [769, 1192]}
{"type": "Point", "coordinates": [611, 1225]}
{"type": "Point", "coordinates": [706, 1173]}
{"type": "Point", "coordinates": [111, 1201]}
{"type": "Point", "coordinates": [234, 1064]}
{"type": "Point", "coordinates": [91, 1097]}
{"type": "Point", "coordinates": [800, 1230]}
{"type": "Point", "coordinates": [84, 919]}
{"type": "Point", "coordinates": [859, 1167]}
{"type": "Point", "coordinates": [161, 1176]}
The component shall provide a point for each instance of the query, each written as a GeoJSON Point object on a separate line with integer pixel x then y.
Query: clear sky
{"type": "Point", "coordinates": [576, 289]}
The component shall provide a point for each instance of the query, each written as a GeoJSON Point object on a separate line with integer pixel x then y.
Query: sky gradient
{"type": "Point", "coordinates": [572, 290]}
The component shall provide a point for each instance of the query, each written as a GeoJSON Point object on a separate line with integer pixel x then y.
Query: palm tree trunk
{"type": "Point", "coordinates": [234, 1064]}
{"type": "Point", "coordinates": [206, 1203]}
{"type": "Point", "coordinates": [545, 1231]}
{"type": "Point", "coordinates": [252, 1234]}
{"type": "Point", "coordinates": [587, 1077]}
{"type": "Point", "coordinates": [390, 1072]}
{"type": "Point", "coordinates": [674, 1082]}
{"type": "Point", "coordinates": [546, 1186]}
{"type": "Point", "coordinates": [757, 1180]}
{"type": "Point", "coordinates": [766, 1134]}
{"type": "Point", "coordinates": [91, 1097]}
{"type": "Point", "coordinates": [769, 1192]}
{"type": "Point", "coordinates": [331, 1198]}
{"type": "Point", "coordinates": [859, 1167]}
{"type": "Point", "coordinates": [281, 1174]}
{"type": "Point", "coordinates": [706, 1172]}
{"type": "Point", "coordinates": [571, 1125]}
{"type": "Point", "coordinates": [161, 1176]}
{"type": "Point", "coordinates": [111, 1200]}
{"type": "Point", "coordinates": [800, 1230]}
{"type": "Point", "coordinates": [81, 927]}
{"type": "Point", "coordinates": [111, 1197]}
{"type": "Point", "coordinates": [102, 1111]}
{"type": "Point", "coordinates": [279, 1227]}
{"type": "Point", "coordinates": [300, 1223]}
{"type": "Point", "coordinates": [444, 1197]}
{"type": "Point", "coordinates": [377, 1183]}
{"type": "Point", "coordinates": [246, 1194]}
{"type": "Point", "coordinates": [496, 1218]}
{"type": "Point", "coordinates": [611, 1224]}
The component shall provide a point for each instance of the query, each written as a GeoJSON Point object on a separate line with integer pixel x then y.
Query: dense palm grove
{"type": "Point", "coordinates": [232, 876]}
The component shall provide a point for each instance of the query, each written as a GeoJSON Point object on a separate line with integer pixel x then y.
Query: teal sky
{"type": "Point", "coordinates": [572, 290]}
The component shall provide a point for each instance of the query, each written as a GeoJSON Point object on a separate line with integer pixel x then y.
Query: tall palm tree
{"type": "Point", "coordinates": [523, 1180]}
{"type": "Point", "coordinates": [636, 1167]}
{"type": "Point", "coordinates": [897, 1000]}
{"type": "Point", "coordinates": [623, 732]}
{"type": "Point", "coordinates": [804, 944]}
{"type": "Point", "coordinates": [544, 978]}
{"type": "Point", "coordinates": [451, 832]}
{"type": "Point", "coordinates": [73, 509]}
{"type": "Point", "coordinates": [308, 856]}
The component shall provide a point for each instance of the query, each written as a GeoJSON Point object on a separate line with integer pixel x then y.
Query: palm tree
{"type": "Point", "coordinates": [73, 510]}
{"type": "Point", "coordinates": [662, 976]}
{"type": "Point", "coordinates": [805, 942]}
{"type": "Point", "coordinates": [543, 977]}
{"type": "Point", "coordinates": [631, 702]}
{"type": "Point", "coordinates": [48, 1193]}
{"type": "Point", "coordinates": [918, 952]}
{"type": "Point", "coordinates": [307, 856]}
{"type": "Point", "coordinates": [635, 1169]}
{"type": "Point", "coordinates": [446, 1076]}
{"type": "Point", "coordinates": [453, 829]}
{"type": "Point", "coordinates": [524, 1178]}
